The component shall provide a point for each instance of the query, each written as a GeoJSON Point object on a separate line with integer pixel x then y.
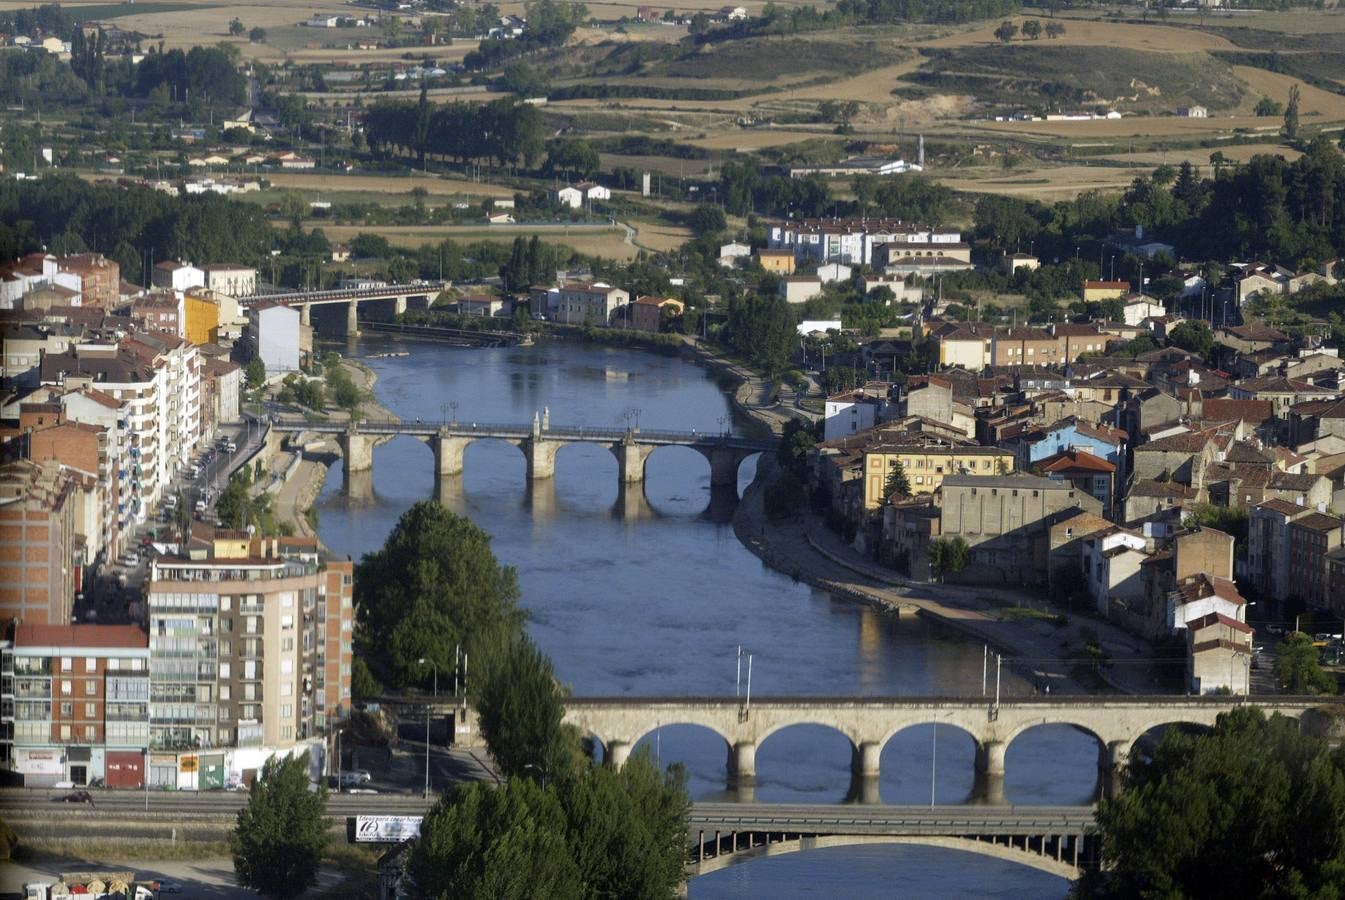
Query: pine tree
{"type": "Point", "coordinates": [1291, 115]}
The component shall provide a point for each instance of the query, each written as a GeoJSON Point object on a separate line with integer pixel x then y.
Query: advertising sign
{"type": "Point", "coordinates": [382, 829]}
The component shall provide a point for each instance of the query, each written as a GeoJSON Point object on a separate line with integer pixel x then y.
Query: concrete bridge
{"type": "Point", "coordinates": [1060, 840]}
{"type": "Point", "coordinates": [540, 443]}
{"type": "Point", "coordinates": [870, 722]}
{"type": "Point", "coordinates": [399, 295]}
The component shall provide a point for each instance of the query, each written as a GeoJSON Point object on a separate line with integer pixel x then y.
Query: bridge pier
{"type": "Point", "coordinates": [353, 318]}
{"type": "Point", "coordinates": [357, 450]}
{"type": "Point", "coordinates": [448, 453]}
{"type": "Point", "coordinates": [743, 764]}
{"type": "Point", "coordinates": [1113, 760]}
{"type": "Point", "coordinates": [864, 789]}
{"type": "Point", "coordinates": [631, 505]}
{"type": "Point", "coordinates": [306, 315]}
{"type": "Point", "coordinates": [988, 790]}
{"type": "Point", "coordinates": [448, 490]}
{"type": "Point", "coordinates": [630, 460]}
{"type": "Point", "coordinates": [399, 305]}
{"type": "Point", "coordinates": [865, 758]}
{"type": "Point", "coordinates": [358, 485]}
{"type": "Point", "coordinates": [617, 754]}
{"type": "Point", "coordinates": [724, 462]}
{"type": "Point", "coordinates": [990, 757]}
{"type": "Point", "coordinates": [541, 456]}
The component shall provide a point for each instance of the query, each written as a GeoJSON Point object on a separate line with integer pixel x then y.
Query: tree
{"type": "Point", "coordinates": [1193, 335]}
{"type": "Point", "coordinates": [257, 35]}
{"type": "Point", "coordinates": [363, 684]}
{"type": "Point", "coordinates": [796, 442]}
{"type": "Point", "coordinates": [236, 27]}
{"type": "Point", "coordinates": [1032, 29]}
{"type": "Point", "coordinates": [948, 556]}
{"type": "Point", "coordinates": [1268, 107]}
{"type": "Point", "coordinates": [897, 482]}
{"type": "Point", "coordinates": [520, 708]}
{"type": "Point", "coordinates": [699, 24]}
{"type": "Point", "coordinates": [255, 372]}
{"type": "Point", "coordinates": [1251, 809]}
{"type": "Point", "coordinates": [1298, 666]}
{"type": "Point", "coordinates": [483, 841]}
{"type": "Point", "coordinates": [432, 585]}
{"type": "Point", "coordinates": [282, 832]}
{"type": "Point", "coordinates": [1291, 114]}
{"type": "Point", "coordinates": [707, 218]}
{"type": "Point", "coordinates": [1005, 32]}
{"type": "Point", "coordinates": [1054, 30]}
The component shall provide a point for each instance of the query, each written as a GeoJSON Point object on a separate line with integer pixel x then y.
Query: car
{"type": "Point", "coordinates": [168, 887]}
{"type": "Point", "coordinates": [75, 797]}
{"type": "Point", "coordinates": [359, 790]}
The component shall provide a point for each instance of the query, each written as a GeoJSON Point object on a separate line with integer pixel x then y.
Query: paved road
{"type": "Point", "coordinates": [202, 879]}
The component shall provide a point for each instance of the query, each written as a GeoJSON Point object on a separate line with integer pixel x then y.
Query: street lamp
{"type": "Point", "coordinates": [453, 405]}
{"type": "Point", "coordinates": [724, 424]}
{"type": "Point", "coordinates": [428, 710]}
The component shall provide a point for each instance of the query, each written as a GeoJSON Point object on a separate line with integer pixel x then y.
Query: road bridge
{"type": "Point", "coordinates": [1117, 722]}
{"type": "Point", "coordinates": [540, 443]}
{"type": "Point", "coordinates": [400, 295]}
{"type": "Point", "coordinates": [1060, 840]}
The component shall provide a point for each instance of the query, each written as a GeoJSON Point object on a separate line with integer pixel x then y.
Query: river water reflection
{"type": "Point", "coordinates": [650, 593]}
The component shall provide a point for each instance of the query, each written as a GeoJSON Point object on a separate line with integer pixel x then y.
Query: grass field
{"type": "Point", "coordinates": [594, 240]}
{"type": "Point", "coordinates": [389, 184]}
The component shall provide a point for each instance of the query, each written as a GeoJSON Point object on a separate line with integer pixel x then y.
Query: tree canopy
{"type": "Point", "coordinates": [433, 584]}
{"type": "Point", "coordinates": [1253, 809]}
{"type": "Point", "coordinates": [281, 834]}
{"type": "Point", "coordinates": [1298, 666]}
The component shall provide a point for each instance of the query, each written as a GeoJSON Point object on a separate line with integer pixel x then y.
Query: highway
{"type": "Point", "coordinates": [25, 801]}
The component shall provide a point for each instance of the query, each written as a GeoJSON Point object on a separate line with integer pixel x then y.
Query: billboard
{"type": "Point", "coordinates": [382, 829]}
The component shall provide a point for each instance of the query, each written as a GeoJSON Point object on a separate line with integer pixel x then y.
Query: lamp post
{"type": "Point", "coordinates": [724, 424]}
{"type": "Point", "coordinates": [429, 708]}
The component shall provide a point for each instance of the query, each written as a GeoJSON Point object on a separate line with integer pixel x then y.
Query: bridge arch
{"type": "Point", "coordinates": [1007, 853]}
{"type": "Point", "coordinates": [1084, 763]}
{"type": "Point", "coordinates": [488, 444]}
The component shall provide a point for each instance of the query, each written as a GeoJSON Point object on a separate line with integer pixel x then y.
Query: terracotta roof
{"type": "Point", "coordinates": [1189, 442]}
{"type": "Point", "coordinates": [1288, 481]}
{"type": "Point", "coordinates": [1277, 384]}
{"type": "Point", "coordinates": [1255, 332]}
{"type": "Point", "coordinates": [1112, 285]}
{"type": "Point", "coordinates": [74, 636]}
{"type": "Point", "coordinates": [1147, 487]}
{"type": "Point", "coordinates": [1284, 507]}
{"type": "Point", "coordinates": [1243, 452]}
{"type": "Point", "coordinates": [1075, 461]}
{"type": "Point", "coordinates": [1319, 522]}
{"type": "Point", "coordinates": [1203, 584]}
{"type": "Point", "coordinates": [1321, 409]}
{"type": "Point", "coordinates": [1229, 409]}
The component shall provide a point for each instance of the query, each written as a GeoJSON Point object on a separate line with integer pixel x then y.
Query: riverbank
{"type": "Point", "coordinates": [305, 478]}
{"type": "Point", "coordinates": [1018, 625]}
{"type": "Point", "coordinates": [752, 395]}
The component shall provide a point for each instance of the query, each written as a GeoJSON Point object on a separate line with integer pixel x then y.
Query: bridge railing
{"type": "Point", "coordinates": [561, 432]}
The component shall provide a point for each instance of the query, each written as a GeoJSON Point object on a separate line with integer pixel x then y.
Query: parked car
{"type": "Point", "coordinates": [75, 797]}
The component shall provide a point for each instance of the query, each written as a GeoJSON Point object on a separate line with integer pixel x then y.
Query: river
{"type": "Point", "coordinates": [653, 595]}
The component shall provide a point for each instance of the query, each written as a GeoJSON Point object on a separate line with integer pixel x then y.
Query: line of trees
{"type": "Point", "coordinates": [505, 131]}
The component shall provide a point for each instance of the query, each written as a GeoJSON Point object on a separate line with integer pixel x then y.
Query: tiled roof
{"type": "Point", "coordinates": [1075, 461]}
{"type": "Point", "coordinates": [1147, 487]}
{"type": "Point", "coordinates": [1189, 442]}
{"type": "Point", "coordinates": [1284, 507]}
{"type": "Point", "coordinates": [1228, 409]}
{"type": "Point", "coordinates": [1318, 522]}
{"type": "Point", "coordinates": [1285, 481]}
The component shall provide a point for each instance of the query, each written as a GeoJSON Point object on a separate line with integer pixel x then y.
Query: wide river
{"type": "Point", "coordinates": [654, 595]}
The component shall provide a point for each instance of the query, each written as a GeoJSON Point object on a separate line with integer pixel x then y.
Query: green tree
{"type": "Point", "coordinates": [484, 842]}
{"type": "Point", "coordinates": [520, 708]}
{"type": "Point", "coordinates": [1032, 29]}
{"type": "Point", "coordinates": [1193, 335]}
{"type": "Point", "coordinates": [282, 832]}
{"type": "Point", "coordinates": [432, 585]}
{"type": "Point", "coordinates": [707, 218]}
{"type": "Point", "coordinates": [1252, 809]}
{"type": "Point", "coordinates": [1005, 32]}
{"type": "Point", "coordinates": [796, 442]}
{"type": "Point", "coordinates": [1268, 107]}
{"type": "Point", "coordinates": [255, 372]}
{"type": "Point", "coordinates": [1054, 30]}
{"type": "Point", "coordinates": [236, 27]}
{"type": "Point", "coordinates": [1298, 666]}
{"type": "Point", "coordinates": [948, 556]}
{"type": "Point", "coordinates": [257, 35]}
{"type": "Point", "coordinates": [897, 482]}
{"type": "Point", "coordinates": [1291, 114]}
{"type": "Point", "coordinates": [363, 684]}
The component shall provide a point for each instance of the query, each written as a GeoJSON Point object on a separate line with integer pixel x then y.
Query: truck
{"type": "Point", "coordinates": [93, 885]}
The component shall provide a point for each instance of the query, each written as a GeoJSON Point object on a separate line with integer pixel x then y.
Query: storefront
{"type": "Point", "coordinates": [125, 768]}
{"type": "Point", "coordinates": [163, 770]}
{"type": "Point", "coordinates": [78, 764]}
{"type": "Point", "coordinates": [212, 771]}
{"type": "Point", "coordinates": [40, 768]}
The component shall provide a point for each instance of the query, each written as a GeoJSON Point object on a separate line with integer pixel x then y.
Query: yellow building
{"type": "Point", "coordinates": [781, 262]}
{"type": "Point", "coordinates": [1104, 290]}
{"type": "Point", "coordinates": [202, 315]}
{"type": "Point", "coordinates": [926, 465]}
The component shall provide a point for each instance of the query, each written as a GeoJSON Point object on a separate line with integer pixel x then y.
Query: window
{"type": "Point", "coordinates": [251, 624]}
{"type": "Point", "coordinates": [66, 688]}
{"type": "Point", "coordinates": [223, 670]}
{"type": "Point", "coordinates": [286, 666]}
{"type": "Point", "coordinates": [65, 732]}
{"type": "Point", "coordinates": [90, 687]}
{"type": "Point", "coordinates": [287, 621]}
{"type": "Point", "coordinates": [90, 664]}
{"type": "Point", "coordinates": [250, 668]}
{"type": "Point", "coordinates": [226, 603]}
{"type": "Point", "coordinates": [66, 663]}
{"type": "Point", "coordinates": [90, 732]}
{"type": "Point", "coordinates": [90, 710]}
{"type": "Point", "coordinates": [287, 688]}
{"type": "Point", "coordinates": [67, 710]}
{"type": "Point", "coordinates": [225, 692]}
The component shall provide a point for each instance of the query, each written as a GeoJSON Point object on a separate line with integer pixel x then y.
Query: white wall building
{"type": "Point", "coordinates": [233, 280]}
{"type": "Point", "coordinates": [276, 329]}
{"type": "Point", "coordinates": [178, 276]}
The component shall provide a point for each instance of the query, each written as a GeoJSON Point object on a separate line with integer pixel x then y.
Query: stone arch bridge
{"type": "Point", "coordinates": [870, 722]}
{"type": "Point", "coordinates": [540, 443]}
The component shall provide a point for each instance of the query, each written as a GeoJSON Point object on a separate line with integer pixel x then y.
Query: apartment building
{"type": "Point", "coordinates": [853, 240]}
{"type": "Point", "coordinates": [926, 464]}
{"type": "Point", "coordinates": [94, 452]}
{"type": "Point", "coordinates": [231, 279]}
{"type": "Point", "coordinates": [251, 642]}
{"type": "Point", "coordinates": [40, 554]}
{"type": "Point", "coordinates": [1268, 552]}
{"type": "Point", "coordinates": [75, 704]}
{"type": "Point", "coordinates": [177, 275]}
{"type": "Point", "coordinates": [581, 302]}
{"type": "Point", "coordinates": [1312, 538]}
